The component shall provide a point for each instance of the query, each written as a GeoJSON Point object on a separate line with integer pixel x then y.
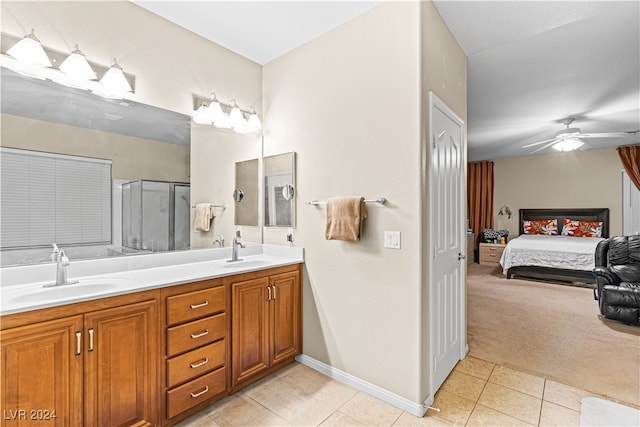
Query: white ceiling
{"type": "Point", "coordinates": [530, 63]}
{"type": "Point", "coordinates": [258, 30]}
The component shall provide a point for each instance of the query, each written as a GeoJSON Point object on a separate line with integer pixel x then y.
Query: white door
{"type": "Point", "coordinates": [447, 179]}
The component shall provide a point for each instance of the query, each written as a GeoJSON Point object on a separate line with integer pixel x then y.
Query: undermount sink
{"type": "Point", "coordinates": [245, 264]}
{"type": "Point", "coordinates": [83, 288]}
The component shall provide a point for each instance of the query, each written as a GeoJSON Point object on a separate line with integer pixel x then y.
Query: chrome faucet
{"type": "Point", "coordinates": [219, 241]}
{"type": "Point", "coordinates": [62, 262]}
{"type": "Point", "coordinates": [234, 248]}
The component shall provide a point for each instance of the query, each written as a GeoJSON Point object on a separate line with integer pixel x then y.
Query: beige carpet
{"type": "Point", "coordinates": [551, 330]}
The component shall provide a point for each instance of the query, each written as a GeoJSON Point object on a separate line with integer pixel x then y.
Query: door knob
{"type": "Point", "coordinates": [461, 256]}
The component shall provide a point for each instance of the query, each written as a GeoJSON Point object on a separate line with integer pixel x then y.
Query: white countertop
{"type": "Point", "coordinates": [22, 287]}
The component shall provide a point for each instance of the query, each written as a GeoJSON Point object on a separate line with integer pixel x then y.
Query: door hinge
{"type": "Point", "coordinates": [435, 253]}
{"type": "Point", "coordinates": [435, 364]}
{"type": "Point", "coordinates": [434, 142]}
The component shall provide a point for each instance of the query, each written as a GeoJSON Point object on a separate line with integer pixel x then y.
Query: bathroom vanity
{"type": "Point", "coordinates": [161, 344]}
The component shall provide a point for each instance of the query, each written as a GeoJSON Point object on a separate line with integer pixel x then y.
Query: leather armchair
{"type": "Point", "coordinates": [617, 274]}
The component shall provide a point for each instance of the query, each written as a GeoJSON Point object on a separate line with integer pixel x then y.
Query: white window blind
{"type": "Point", "coordinates": [47, 198]}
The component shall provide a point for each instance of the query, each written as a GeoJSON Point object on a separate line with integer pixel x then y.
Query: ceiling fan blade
{"type": "Point", "coordinates": [544, 146]}
{"type": "Point", "coordinates": [538, 143]}
{"type": "Point", "coordinates": [607, 134]}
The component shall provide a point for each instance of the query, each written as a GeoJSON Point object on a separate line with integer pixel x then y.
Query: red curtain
{"type": "Point", "coordinates": [480, 197]}
{"type": "Point", "coordinates": [630, 158]}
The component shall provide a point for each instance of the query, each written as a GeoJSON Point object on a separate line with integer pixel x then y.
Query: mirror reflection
{"type": "Point", "coordinates": [279, 190]}
{"type": "Point", "coordinates": [245, 193]}
{"type": "Point", "coordinates": [143, 144]}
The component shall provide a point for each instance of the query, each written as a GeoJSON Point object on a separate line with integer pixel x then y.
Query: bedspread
{"type": "Point", "coordinates": [565, 252]}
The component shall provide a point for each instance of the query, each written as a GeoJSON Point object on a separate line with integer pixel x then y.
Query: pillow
{"type": "Point", "coordinates": [581, 228]}
{"type": "Point", "coordinates": [541, 226]}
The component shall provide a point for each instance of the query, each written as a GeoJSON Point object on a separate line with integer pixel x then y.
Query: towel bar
{"type": "Point", "coordinates": [223, 207]}
{"type": "Point", "coordinates": [379, 200]}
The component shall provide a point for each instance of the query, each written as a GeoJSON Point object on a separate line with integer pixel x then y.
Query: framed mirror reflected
{"type": "Point", "coordinates": [245, 194]}
{"type": "Point", "coordinates": [278, 181]}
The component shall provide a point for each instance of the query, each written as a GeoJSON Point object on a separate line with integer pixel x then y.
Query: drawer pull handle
{"type": "Point", "coordinates": [204, 304]}
{"type": "Point", "coordinates": [206, 389]}
{"type": "Point", "coordinates": [91, 339]}
{"type": "Point", "coordinates": [194, 336]}
{"type": "Point", "coordinates": [78, 343]}
{"type": "Point", "coordinates": [197, 365]}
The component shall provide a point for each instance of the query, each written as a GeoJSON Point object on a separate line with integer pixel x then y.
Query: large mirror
{"type": "Point", "coordinates": [245, 194]}
{"type": "Point", "coordinates": [278, 179]}
{"type": "Point", "coordinates": [143, 143]}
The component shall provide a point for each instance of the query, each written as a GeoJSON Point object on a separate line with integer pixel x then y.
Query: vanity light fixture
{"type": "Point", "coordinates": [225, 116]}
{"type": "Point", "coordinates": [569, 144]}
{"type": "Point", "coordinates": [254, 123]}
{"type": "Point", "coordinates": [235, 116]}
{"type": "Point", "coordinates": [29, 51]}
{"type": "Point", "coordinates": [77, 67]}
{"type": "Point", "coordinates": [215, 112]}
{"type": "Point", "coordinates": [114, 80]}
{"type": "Point", "coordinates": [29, 57]}
{"type": "Point", "coordinates": [201, 115]}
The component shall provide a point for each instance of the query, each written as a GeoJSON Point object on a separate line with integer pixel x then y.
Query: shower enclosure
{"type": "Point", "coordinates": [155, 215]}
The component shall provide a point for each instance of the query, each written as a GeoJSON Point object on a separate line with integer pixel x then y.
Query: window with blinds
{"type": "Point", "coordinates": [47, 198]}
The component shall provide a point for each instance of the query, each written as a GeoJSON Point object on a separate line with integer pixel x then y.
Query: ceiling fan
{"type": "Point", "coordinates": [570, 139]}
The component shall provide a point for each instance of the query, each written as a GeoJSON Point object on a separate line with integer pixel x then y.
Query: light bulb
{"type": "Point", "coordinates": [29, 51]}
{"type": "Point", "coordinates": [77, 67]}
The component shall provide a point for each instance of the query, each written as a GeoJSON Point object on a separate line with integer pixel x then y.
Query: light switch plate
{"type": "Point", "coordinates": [392, 239]}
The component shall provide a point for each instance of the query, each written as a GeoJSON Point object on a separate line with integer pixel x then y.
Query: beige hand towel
{"type": "Point", "coordinates": [345, 216]}
{"type": "Point", "coordinates": [205, 212]}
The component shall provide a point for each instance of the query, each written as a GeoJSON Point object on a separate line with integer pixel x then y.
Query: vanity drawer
{"type": "Point", "coordinates": [195, 334]}
{"type": "Point", "coordinates": [190, 394]}
{"type": "Point", "coordinates": [196, 362]}
{"type": "Point", "coordinates": [193, 305]}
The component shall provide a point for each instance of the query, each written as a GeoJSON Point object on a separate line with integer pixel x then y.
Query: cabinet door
{"type": "Point", "coordinates": [121, 356]}
{"type": "Point", "coordinates": [42, 374]}
{"type": "Point", "coordinates": [250, 333]}
{"type": "Point", "coordinates": [285, 316]}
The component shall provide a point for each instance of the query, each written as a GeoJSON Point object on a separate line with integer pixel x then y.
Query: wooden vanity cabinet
{"type": "Point", "coordinates": [196, 349]}
{"type": "Point", "coordinates": [266, 324]}
{"type": "Point", "coordinates": [41, 371]}
{"type": "Point", "coordinates": [93, 368]}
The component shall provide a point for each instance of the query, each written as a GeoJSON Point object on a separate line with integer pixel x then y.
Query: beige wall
{"type": "Point", "coordinates": [133, 158]}
{"type": "Point", "coordinates": [348, 103]}
{"type": "Point", "coordinates": [444, 72]}
{"type": "Point", "coordinates": [578, 179]}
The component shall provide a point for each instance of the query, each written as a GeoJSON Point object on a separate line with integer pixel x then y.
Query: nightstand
{"type": "Point", "coordinates": [490, 253]}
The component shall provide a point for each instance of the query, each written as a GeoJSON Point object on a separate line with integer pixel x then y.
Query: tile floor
{"type": "Point", "coordinates": [476, 393]}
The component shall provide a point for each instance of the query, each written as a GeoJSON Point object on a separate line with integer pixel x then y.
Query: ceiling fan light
{"type": "Point", "coordinates": [77, 67]}
{"type": "Point", "coordinates": [29, 51]}
{"type": "Point", "coordinates": [568, 144]}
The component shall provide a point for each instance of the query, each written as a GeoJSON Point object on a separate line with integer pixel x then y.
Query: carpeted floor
{"type": "Point", "coordinates": [551, 330]}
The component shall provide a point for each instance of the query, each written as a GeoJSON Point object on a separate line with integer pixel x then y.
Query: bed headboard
{"type": "Point", "coordinates": [589, 214]}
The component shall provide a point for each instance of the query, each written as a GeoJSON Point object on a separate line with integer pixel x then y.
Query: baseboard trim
{"type": "Point", "coordinates": [385, 395]}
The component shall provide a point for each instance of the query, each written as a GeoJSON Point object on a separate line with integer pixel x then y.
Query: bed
{"type": "Point", "coordinates": [557, 258]}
